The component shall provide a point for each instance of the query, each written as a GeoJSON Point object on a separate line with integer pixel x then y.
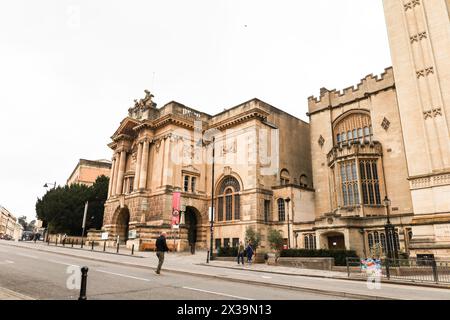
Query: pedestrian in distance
{"type": "Point", "coordinates": [249, 250]}
{"type": "Point", "coordinates": [241, 253]}
{"type": "Point", "coordinates": [161, 248]}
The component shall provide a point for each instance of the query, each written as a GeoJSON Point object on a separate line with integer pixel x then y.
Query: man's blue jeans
{"type": "Point", "coordinates": [240, 258]}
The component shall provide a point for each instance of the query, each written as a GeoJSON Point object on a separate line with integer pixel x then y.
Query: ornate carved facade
{"type": "Point", "coordinates": [159, 151]}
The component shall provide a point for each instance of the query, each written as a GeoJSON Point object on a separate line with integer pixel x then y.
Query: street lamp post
{"type": "Point", "coordinates": [392, 252]}
{"type": "Point", "coordinates": [211, 228]}
{"type": "Point", "coordinates": [46, 229]}
{"type": "Point", "coordinates": [288, 200]}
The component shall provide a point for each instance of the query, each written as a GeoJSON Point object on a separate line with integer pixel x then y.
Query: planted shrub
{"type": "Point", "coordinates": [338, 255]}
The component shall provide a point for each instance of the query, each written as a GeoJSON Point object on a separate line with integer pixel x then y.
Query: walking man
{"type": "Point", "coordinates": [250, 253]}
{"type": "Point", "coordinates": [241, 252]}
{"type": "Point", "coordinates": [161, 248]}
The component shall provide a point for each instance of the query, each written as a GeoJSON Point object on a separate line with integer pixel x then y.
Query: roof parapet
{"type": "Point", "coordinates": [367, 86]}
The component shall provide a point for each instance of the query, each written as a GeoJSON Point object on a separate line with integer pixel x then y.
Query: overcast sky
{"type": "Point", "coordinates": [69, 70]}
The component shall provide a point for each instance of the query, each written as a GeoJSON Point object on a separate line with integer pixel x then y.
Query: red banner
{"type": "Point", "coordinates": [176, 205]}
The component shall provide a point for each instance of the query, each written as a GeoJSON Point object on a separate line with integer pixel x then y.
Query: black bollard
{"type": "Point", "coordinates": [132, 249]}
{"type": "Point", "coordinates": [84, 272]}
{"type": "Point", "coordinates": [72, 243]}
{"type": "Point", "coordinates": [56, 242]}
{"type": "Point", "coordinates": [81, 243]}
{"type": "Point", "coordinates": [48, 241]}
{"type": "Point", "coordinates": [117, 248]}
{"type": "Point", "coordinates": [64, 242]}
{"type": "Point", "coordinates": [92, 245]}
{"type": "Point", "coordinates": [104, 246]}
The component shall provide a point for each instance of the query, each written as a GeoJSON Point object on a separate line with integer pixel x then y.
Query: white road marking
{"type": "Point", "coordinates": [123, 275]}
{"type": "Point", "coordinates": [63, 263]}
{"type": "Point", "coordinates": [6, 262]}
{"type": "Point", "coordinates": [217, 293]}
{"type": "Point", "coordinates": [27, 255]}
{"type": "Point", "coordinates": [266, 277]}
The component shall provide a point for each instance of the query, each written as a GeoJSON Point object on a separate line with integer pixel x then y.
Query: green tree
{"type": "Point", "coordinates": [23, 221]}
{"type": "Point", "coordinates": [63, 207]}
{"type": "Point", "coordinates": [253, 236]}
{"type": "Point", "coordinates": [275, 239]}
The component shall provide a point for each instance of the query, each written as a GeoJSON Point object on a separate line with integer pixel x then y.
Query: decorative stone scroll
{"type": "Point", "coordinates": [433, 113]}
{"type": "Point", "coordinates": [385, 124]}
{"type": "Point", "coordinates": [411, 4]}
{"type": "Point", "coordinates": [321, 141]}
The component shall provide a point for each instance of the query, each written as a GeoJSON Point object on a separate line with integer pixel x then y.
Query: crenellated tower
{"type": "Point", "coordinates": [419, 36]}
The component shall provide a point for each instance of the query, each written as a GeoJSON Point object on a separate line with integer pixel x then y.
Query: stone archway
{"type": "Point", "coordinates": [334, 240]}
{"type": "Point", "coordinates": [192, 223]}
{"type": "Point", "coordinates": [122, 224]}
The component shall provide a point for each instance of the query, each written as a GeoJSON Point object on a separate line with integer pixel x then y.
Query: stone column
{"type": "Point", "coordinates": [111, 176]}
{"type": "Point", "coordinates": [116, 171]}
{"type": "Point", "coordinates": [143, 174]}
{"type": "Point", "coordinates": [137, 172]}
{"type": "Point", "coordinates": [122, 163]}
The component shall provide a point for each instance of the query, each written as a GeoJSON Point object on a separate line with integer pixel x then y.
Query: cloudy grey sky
{"type": "Point", "coordinates": [70, 69]}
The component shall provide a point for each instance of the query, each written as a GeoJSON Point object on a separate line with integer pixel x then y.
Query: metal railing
{"type": "Point", "coordinates": [412, 270]}
{"type": "Point", "coordinates": [88, 245]}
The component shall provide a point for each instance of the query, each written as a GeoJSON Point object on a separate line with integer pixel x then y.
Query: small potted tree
{"type": "Point", "coordinates": [255, 238]}
{"type": "Point", "coordinates": [276, 242]}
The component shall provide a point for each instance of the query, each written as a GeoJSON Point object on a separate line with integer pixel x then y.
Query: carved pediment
{"type": "Point", "coordinates": [190, 169]}
{"type": "Point", "coordinates": [126, 128]}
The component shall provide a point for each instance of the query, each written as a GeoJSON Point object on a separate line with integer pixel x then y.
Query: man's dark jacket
{"type": "Point", "coordinates": [161, 244]}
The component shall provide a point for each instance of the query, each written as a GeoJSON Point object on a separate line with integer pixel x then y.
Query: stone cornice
{"type": "Point", "coordinates": [255, 113]}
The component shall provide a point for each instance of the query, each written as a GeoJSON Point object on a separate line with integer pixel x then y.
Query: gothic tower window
{"type": "Point", "coordinates": [349, 183]}
{"type": "Point", "coordinates": [354, 127]}
{"type": "Point", "coordinates": [370, 185]}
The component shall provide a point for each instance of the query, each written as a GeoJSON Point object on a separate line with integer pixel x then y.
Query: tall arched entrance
{"type": "Point", "coordinates": [192, 223]}
{"type": "Point", "coordinates": [122, 224]}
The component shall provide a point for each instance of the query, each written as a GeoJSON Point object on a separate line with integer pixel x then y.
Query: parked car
{"type": "Point", "coordinates": [5, 237]}
{"type": "Point", "coordinates": [27, 236]}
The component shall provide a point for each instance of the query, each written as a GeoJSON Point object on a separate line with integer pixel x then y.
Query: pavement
{"type": "Point", "coordinates": [316, 282]}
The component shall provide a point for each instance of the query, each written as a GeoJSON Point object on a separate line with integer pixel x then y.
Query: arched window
{"type": "Point", "coordinates": [306, 242]}
{"type": "Point", "coordinates": [397, 241]}
{"type": "Point", "coordinates": [352, 127]}
{"type": "Point", "coordinates": [312, 241]}
{"type": "Point", "coordinates": [370, 240]}
{"type": "Point", "coordinates": [284, 177]}
{"type": "Point", "coordinates": [228, 200]}
{"type": "Point", "coordinates": [377, 237]}
{"type": "Point", "coordinates": [281, 210]}
{"type": "Point", "coordinates": [383, 241]}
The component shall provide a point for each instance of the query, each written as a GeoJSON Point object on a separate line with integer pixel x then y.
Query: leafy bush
{"type": "Point", "coordinates": [338, 255]}
{"type": "Point", "coordinates": [275, 239]}
{"type": "Point", "coordinates": [253, 236]}
{"type": "Point", "coordinates": [227, 252]}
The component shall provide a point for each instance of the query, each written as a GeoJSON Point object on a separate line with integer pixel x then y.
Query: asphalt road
{"type": "Point", "coordinates": [42, 275]}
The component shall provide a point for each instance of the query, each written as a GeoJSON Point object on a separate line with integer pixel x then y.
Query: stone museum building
{"type": "Point", "coordinates": [379, 148]}
{"type": "Point", "coordinates": [161, 151]}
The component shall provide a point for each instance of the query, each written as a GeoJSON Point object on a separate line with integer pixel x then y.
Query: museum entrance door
{"type": "Point", "coordinates": [192, 223]}
{"type": "Point", "coordinates": [122, 224]}
{"type": "Point", "coordinates": [336, 242]}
